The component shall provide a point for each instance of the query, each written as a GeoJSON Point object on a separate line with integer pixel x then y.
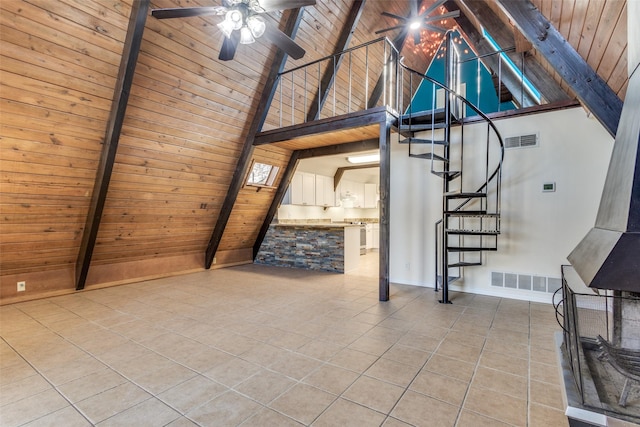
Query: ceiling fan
{"type": "Point", "coordinates": [243, 24]}
{"type": "Point", "coordinates": [415, 22]}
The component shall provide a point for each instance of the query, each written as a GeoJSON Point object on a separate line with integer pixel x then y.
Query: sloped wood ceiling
{"type": "Point", "coordinates": [186, 120]}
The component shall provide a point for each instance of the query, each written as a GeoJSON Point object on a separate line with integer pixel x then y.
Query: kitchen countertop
{"type": "Point", "coordinates": [318, 225]}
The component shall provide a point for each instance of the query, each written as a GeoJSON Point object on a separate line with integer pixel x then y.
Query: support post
{"type": "Point", "coordinates": [385, 187]}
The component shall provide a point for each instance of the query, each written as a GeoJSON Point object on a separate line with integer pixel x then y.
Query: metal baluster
{"type": "Point", "coordinates": [384, 89]}
{"type": "Point", "coordinates": [305, 95]}
{"type": "Point", "coordinates": [334, 85]}
{"type": "Point", "coordinates": [499, 82]}
{"type": "Point", "coordinates": [293, 120]}
{"type": "Point", "coordinates": [319, 93]}
{"type": "Point", "coordinates": [478, 82]}
{"type": "Point", "coordinates": [366, 78]}
{"type": "Point", "coordinates": [349, 100]}
{"type": "Point", "coordinates": [280, 82]}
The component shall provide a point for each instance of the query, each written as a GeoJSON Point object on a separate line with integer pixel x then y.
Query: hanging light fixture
{"type": "Point", "coordinates": [245, 35]}
{"type": "Point", "coordinates": [257, 25]}
{"type": "Point", "coordinates": [232, 21]}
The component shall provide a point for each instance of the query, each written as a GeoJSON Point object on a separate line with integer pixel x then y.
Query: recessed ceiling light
{"type": "Point", "coordinates": [366, 158]}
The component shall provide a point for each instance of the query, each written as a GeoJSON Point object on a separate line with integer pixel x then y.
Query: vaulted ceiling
{"type": "Point", "coordinates": [188, 117]}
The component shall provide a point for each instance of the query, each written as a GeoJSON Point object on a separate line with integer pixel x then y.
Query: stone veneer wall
{"type": "Point", "coordinates": [303, 247]}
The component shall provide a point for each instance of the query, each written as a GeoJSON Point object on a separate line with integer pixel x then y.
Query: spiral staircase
{"type": "Point", "coordinates": [470, 169]}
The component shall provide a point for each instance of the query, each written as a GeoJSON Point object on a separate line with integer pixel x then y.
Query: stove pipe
{"type": "Point", "coordinates": [609, 255]}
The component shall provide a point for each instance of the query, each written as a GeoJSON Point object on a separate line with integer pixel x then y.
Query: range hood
{"type": "Point", "coordinates": [609, 255]}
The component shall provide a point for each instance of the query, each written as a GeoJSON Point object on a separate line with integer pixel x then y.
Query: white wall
{"type": "Point", "coordinates": [538, 229]}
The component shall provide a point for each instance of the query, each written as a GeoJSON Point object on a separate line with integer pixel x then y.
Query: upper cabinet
{"type": "Point", "coordinates": [303, 189]}
{"type": "Point", "coordinates": [309, 189]}
{"type": "Point", "coordinates": [370, 196]}
{"type": "Point", "coordinates": [325, 196]}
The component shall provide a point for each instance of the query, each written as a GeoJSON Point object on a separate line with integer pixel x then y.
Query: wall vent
{"type": "Point", "coordinates": [521, 141]}
{"type": "Point", "coordinates": [525, 282]}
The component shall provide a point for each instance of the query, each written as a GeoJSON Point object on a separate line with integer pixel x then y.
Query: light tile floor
{"type": "Point", "coordinates": [264, 346]}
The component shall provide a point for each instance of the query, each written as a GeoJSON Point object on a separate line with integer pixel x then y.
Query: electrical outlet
{"type": "Point", "coordinates": [22, 286]}
{"type": "Point", "coordinates": [407, 266]}
{"type": "Point", "coordinates": [214, 260]}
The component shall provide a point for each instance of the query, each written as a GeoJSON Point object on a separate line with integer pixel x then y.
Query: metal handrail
{"type": "Point", "coordinates": [300, 93]}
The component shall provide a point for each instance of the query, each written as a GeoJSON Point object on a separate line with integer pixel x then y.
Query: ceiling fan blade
{"type": "Point", "coordinates": [229, 46]}
{"type": "Point", "coordinates": [184, 12]}
{"type": "Point", "coordinates": [391, 15]}
{"type": "Point", "coordinates": [453, 14]}
{"type": "Point", "coordinates": [434, 28]}
{"type": "Point", "coordinates": [433, 7]}
{"type": "Point", "coordinates": [271, 5]}
{"type": "Point", "coordinates": [284, 42]}
{"type": "Point", "coordinates": [384, 30]}
{"type": "Point", "coordinates": [416, 37]}
{"type": "Point", "coordinates": [414, 8]}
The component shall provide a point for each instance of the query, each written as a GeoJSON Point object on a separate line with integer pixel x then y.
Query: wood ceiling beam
{"type": "Point", "coordinates": [592, 91]}
{"type": "Point", "coordinates": [340, 171]}
{"type": "Point", "coordinates": [126, 72]}
{"type": "Point", "coordinates": [346, 148]}
{"type": "Point", "coordinates": [330, 73]}
{"type": "Point", "coordinates": [262, 108]}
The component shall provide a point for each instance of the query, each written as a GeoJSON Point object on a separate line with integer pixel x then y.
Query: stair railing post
{"type": "Point", "coordinates": [280, 87]}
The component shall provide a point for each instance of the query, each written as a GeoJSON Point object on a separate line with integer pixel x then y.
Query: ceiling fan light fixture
{"type": "Point", "coordinates": [257, 26]}
{"type": "Point", "coordinates": [226, 27]}
{"type": "Point", "coordinates": [245, 36]}
{"type": "Point", "coordinates": [235, 18]}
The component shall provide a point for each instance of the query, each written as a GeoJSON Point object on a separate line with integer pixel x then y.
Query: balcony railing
{"type": "Point", "coordinates": [356, 79]}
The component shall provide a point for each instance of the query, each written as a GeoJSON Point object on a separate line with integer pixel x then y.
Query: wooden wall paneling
{"type": "Point", "coordinates": [566, 18]}
{"type": "Point", "coordinates": [555, 14]}
{"type": "Point", "coordinates": [58, 72]}
{"type": "Point", "coordinates": [615, 47]}
{"type": "Point", "coordinates": [260, 115]}
{"type": "Point", "coordinates": [48, 24]}
{"type": "Point", "coordinates": [31, 64]}
{"type": "Point", "coordinates": [252, 204]}
{"type": "Point", "coordinates": [577, 22]}
{"type": "Point", "coordinates": [126, 72]}
{"type": "Point", "coordinates": [619, 76]}
{"type": "Point", "coordinates": [609, 20]}
{"type": "Point", "coordinates": [162, 76]}
{"type": "Point", "coordinates": [284, 180]}
{"type": "Point", "coordinates": [592, 18]}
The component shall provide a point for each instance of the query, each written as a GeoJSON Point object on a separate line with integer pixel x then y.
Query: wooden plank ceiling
{"type": "Point", "coordinates": [186, 120]}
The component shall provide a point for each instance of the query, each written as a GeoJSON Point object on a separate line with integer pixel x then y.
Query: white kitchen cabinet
{"type": "Point", "coordinates": [370, 196]}
{"type": "Point", "coordinates": [303, 189]}
{"type": "Point", "coordinates": [375, 236]}
{"type": "Point", "coordinates": [352, 194]}
{"type": "Point", "coordinates": [325, 196]}
{"type": "Point", "coordinates": [369, 231]}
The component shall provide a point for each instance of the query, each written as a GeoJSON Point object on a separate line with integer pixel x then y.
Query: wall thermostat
{"type": "Point", "coordinates": [548, 187]}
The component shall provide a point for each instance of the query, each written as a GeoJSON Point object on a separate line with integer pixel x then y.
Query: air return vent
{"type": "Point", "coordinates": [521, 141]}
{"type": "Point", "coordinates": [525, 282]}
